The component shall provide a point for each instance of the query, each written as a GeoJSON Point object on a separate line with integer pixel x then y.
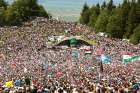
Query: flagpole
{"type": "Point", "coordinates": [100, 70]}
{"type": "Point", "coordinates": [44, 68]}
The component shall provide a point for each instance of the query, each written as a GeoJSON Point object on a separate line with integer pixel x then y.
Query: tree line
{"type": "Point", "coordinates": [117, 21]}
{"type": "Point", "coordinates": [20, 11]}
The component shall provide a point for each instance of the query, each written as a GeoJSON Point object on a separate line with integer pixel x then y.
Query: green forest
{"type": "Point", "coordinates": [117, 21]}
{"type": "Point", "coordinates": [20, 11]}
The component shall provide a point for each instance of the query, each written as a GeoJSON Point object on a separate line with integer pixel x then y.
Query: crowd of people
{"type": "Point", "coordinates": [24, 54]}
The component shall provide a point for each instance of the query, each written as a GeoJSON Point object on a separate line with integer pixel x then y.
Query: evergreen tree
{"type": "Point", "coordinates": [2, 18]}
{"type": "Point", "coordinates": [102, 21]}
{"type": "Point", "coordinates": [138, 1]}
{"type": "Point", "coordinates": [138, 11]}
{"type": "Point", "coordinates": [103, 5]}
{"type": "Point", "coordinates": [3, 4]}
{"type": "Point", "coordinates": [118, 21]}
{"type": "Point", "coordinates": [85, 8]}
{"type": "Point", "coordinates": [12, 16]}
{"type": "Point", "coordinates": [84, 19]}
{"type": "Point", "coordinates": [98, 6]}
{"type": "Point", "coordinates": [124, 12]}
{"type": "Point", "coordinates": [114, 26]}
{"type": "Point", "coordinates": [132, 21]}
{"type": "Point", "coordinates": [22, 10]}
{"type": "Point", "coordinates": [95, 11]}
{"type": "Point", "coordinates": [110, 6]}
{"type": "Point", "coordinates": [135, 38]}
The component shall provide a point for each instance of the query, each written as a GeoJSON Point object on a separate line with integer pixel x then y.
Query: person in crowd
{"type": "Point", "coordinates": [33, 68]}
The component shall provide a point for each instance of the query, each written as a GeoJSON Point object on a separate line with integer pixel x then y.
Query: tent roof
{"type": "Point", "coordinates": [74, 41]}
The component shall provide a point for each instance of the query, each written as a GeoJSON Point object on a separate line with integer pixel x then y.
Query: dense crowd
{"type": "Point", "coordinates": [24, 53]}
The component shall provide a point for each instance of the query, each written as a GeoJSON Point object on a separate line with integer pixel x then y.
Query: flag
{"type": "Point", "coordinates": [88, 50]}
{"type": "Point", "coordinates": [18, 82]}
{"type": "Point", "coordinates": [105, 59]}
{"type": "Point", "coordinates": [9, 84]}
{"type": "Point", "coordinates": [130, 58]}
{"type": "Point", "coordinates": [126, 53]}
{"type": "Point", "coordinates": [75, 54]}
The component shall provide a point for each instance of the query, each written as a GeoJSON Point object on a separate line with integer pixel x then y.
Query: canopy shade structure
{"type": "Point", "coordinates": [73, 42]}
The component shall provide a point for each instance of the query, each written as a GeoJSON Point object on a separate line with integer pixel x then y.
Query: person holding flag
{"type": "Point", "coordinates": [105, 59]}
{"type": "Point", "coordinates": [129, 57]}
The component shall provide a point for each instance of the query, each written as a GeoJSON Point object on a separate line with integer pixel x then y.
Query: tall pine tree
{"type": "Point", "coordinates": [115, 25]}
{"type": "Point", "coordinates": [95, 11]}
{"type": "Point", "coordinates": [135, 38]}
{"type": "Point", "coordinates": [22, 10]}
{"type": "Point", "coordinates": [103, 5]}
{"type": "Point", "coordinates": [132, 20]}
{"type": "Point", "coordinates": [84, 19]}
{"type": "Point", "coordinates": [138, 11]}
{"type": "Point", "coordinates": [102, 21]}
{"type": "Point", "coordinates": [124, 12]}
{"type": "Point", "coordinates": [110, 6]}
{"type": "Point", "coordinates": [3, 6]}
